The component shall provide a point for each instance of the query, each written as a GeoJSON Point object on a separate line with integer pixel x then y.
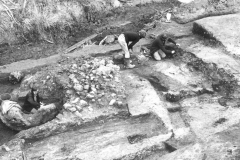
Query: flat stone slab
{"type": "Point", "coordinates": [207, 117]}
{"type": "Point", "coordinates": [142, 98]}
{"type": "Point", "coordinates": [216, 55]}
{"type": "Point", "coordinates": [225, 29]}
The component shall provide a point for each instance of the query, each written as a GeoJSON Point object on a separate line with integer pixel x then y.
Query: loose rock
{"type": "Point", "coordinates": [78, 87]}
{"type": "Point", "coordinates": [83, 103]}
{"type": "Point", "coordinates": [72, 109]}
{"type": "Point", "coordinates": [112, 102]}
{"type": "Point", "coordinates": [15, 77]}
{"type": "Point", "coordinates": [90, 96]}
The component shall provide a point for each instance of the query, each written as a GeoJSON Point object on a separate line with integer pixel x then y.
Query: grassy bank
{"type": "Point", "coordinates": [45, 19]}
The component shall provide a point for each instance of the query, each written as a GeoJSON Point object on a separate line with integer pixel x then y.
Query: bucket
{"type": "Point", "coordinates": [168, 16]}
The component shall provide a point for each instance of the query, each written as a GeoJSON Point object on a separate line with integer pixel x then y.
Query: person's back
{"type": "Point", "coordinates": [156, 44]}
{"type": "Point", "coordinates": [131, 37]}
{"type": "Point", "coordinates": [160, 43]}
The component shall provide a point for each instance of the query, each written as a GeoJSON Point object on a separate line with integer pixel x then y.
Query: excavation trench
{"type": "Point", "coordinates": [192, 80]}
{"type": "Point", "coordinates": [18, 93]}
{"type": "Point", "coordinates": [175, 80]}
{"type": "Point", "coordinates": [116, 132]}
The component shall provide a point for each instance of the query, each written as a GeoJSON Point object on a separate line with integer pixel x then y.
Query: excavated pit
{"type": "Point", "coordinates": [130, 131]}
{"type": "Point", "coordinates": [196, 94]}
{"type": "Point", "coordinates": [18, 93]}
{"type": "Point", "coordinates": [207, 75]}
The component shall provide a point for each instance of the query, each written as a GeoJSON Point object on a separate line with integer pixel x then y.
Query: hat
{"type": "Point", "coordinates": [142, 33]}
{"type": "Point", "coordinates": [163, 36]}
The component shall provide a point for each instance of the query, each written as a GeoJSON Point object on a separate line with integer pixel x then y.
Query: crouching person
{"type": "Point", "coordinates": [127, 40]}
{"type": "Point", "coordinates": [32, 100]}
{"type": "Point", "coordinates": [162, 46]}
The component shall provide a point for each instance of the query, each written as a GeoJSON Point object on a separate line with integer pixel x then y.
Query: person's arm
{"type": "Point", "coordinates": [132, 44]}
{"type": "Point", "coordinates": [171, 40]}
{"type": "Point", "coordinates": [35, 105]}
{"type": "Point", "coordinates": [165, 50]}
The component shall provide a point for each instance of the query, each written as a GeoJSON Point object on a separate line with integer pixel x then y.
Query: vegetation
{"type": "Point", "coordinates": [41, 19]}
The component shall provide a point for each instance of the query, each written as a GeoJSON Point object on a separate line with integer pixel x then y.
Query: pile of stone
{"type": "Point", "coordinates": [93, 82]}
{"type": "Point", "coordinates": [15, 77]}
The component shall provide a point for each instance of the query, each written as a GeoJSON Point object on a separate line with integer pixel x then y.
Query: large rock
{"type": "Point", "coordinates": [46, 82]}
{"type": "Point", "coordinates": [108, 40]}
{"type": "Point", "coordinates": [17, 120]}
{"type": "Point", "coordinates": [16, 77]}
{"type": "Point", "coordinates": [214, 27]}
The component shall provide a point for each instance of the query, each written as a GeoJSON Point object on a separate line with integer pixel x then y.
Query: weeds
{"type": "Point", "coordinates": [38, 17]}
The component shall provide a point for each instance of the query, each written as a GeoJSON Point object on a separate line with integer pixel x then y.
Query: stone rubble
{"type": "Point", "coordinates": [16, 77]}
{"type": "Point", "coordinates": [92, 84]}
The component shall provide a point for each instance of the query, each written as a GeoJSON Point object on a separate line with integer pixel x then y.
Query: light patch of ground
{"type": "Point", "coordinates": [219, 27]}
{"type": "Point", "coordinates": [142, 98]}
{"type": "Point", "coordinates": [218, 56]}
{"type": "Point", "coordinates": [175, 76]}
{"type": "Point", "coordinates": [192, 152]}
{"type": "Point", "coordinates": [207, 116]}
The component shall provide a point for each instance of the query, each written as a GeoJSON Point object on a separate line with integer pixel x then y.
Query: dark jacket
{"type": "Point", "coordinates": [30, 103]}
{"type": "Point", "coordinates": [160, 43]}
{"type": "Point", "coordinates": [131, 37]}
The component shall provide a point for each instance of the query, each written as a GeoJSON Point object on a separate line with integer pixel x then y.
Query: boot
{"type": "Point", "coordinates": [128, 64]}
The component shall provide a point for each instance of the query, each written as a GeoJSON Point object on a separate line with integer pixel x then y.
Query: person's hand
{"type": "Point", "coordinates": [173, 52]}
{"type": "Point", "coordinates": [130, 50]}
{"type": "Point", "coordinates": [178, 44]}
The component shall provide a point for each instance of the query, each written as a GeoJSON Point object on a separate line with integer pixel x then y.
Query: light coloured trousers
{"type": "Point", "coordinates": [158, 55]}
{"type": "Point", "coordinates": [124, 46]}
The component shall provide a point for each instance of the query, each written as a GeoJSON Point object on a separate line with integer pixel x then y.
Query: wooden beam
{"type": "Point", "coordinates": [79, 44]}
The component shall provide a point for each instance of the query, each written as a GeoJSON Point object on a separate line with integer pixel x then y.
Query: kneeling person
{"type": "Point", "coordinates": [32, 100]}
{"type": "Point", "coordinates": [124, 40]}
{"type": "Point", "coordinates": [161, 44]}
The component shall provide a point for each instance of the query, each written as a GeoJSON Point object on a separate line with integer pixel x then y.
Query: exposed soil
{"type": "Point", "coordinates": [34, 50]}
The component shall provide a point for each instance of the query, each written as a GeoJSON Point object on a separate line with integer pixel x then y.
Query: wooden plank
{"type": "Point", "coordinates": [77, 45]}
